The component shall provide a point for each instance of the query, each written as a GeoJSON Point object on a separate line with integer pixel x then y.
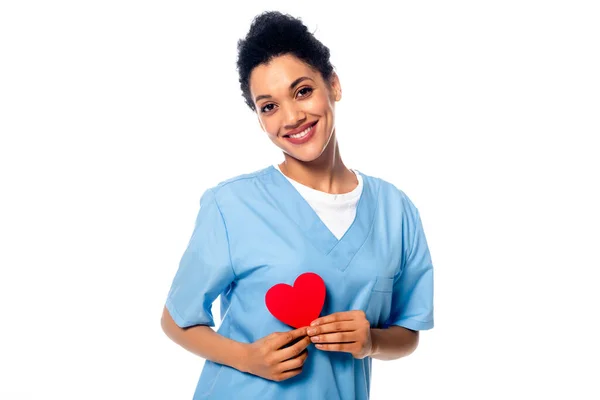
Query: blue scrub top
{"type": "Point", "coordinates": [254, 231]}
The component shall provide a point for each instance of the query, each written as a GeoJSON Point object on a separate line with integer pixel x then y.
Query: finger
{"type": "Point", "coordinates": [293, 363]}
{"type": "Point", "coordinates": [340, 337]}
{"type": "Point", "coordinates": [284, 338]}
{"type": "Point", "coordinates": [288, 374]}
{"type": "Point", "coordinates": [343, 347]}
{"type": "Point", "coordinates": [293, 351]}
{"type": "Point", "coordinates": [339, 316]}
{"type": "Point", "coordinates": [338, 326]}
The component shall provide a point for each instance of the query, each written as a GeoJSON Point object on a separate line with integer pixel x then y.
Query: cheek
{"type": "Point", "coordinates": [271, 132]}
{"type": "Point", "coordinates": [318, 105]}
{"type": "Point", "coordinates": [270, 126]}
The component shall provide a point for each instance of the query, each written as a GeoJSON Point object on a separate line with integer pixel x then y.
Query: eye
{"type": "Point", "coordinates": [267, 108]}
{"type": "Point", "coordinates": [305, 91]}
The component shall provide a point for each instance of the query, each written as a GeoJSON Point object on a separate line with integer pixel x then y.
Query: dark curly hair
{"type": "Point", "coordinates": [273, 34]}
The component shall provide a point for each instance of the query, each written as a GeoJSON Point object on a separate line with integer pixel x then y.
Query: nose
{"type": "Point", "coordinates": [294, 116]}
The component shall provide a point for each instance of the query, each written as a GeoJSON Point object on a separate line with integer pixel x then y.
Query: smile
{"type": "Point", "coordinates": [302, 137]}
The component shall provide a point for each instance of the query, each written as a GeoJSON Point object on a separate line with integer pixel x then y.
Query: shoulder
{"type": "Point", "coordinates": [238, 186]}
{"type": "Point", "coordinates": [240, 181]}
{"type": "Point", "coordinates": [389, 193]}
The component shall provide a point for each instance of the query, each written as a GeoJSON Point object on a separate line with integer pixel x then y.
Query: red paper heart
{"type": "Point", "coordinates": [300, 304]}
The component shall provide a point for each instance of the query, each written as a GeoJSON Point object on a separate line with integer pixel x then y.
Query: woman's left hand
{"type": "Point", "coordinates": [347, 331]}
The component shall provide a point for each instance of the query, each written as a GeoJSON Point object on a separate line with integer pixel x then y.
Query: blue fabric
{"type": "Point", "coordinates": [255, 231]}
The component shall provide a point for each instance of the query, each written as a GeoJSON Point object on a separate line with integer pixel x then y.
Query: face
{"type": "Point", "coordinates": [295, 106]}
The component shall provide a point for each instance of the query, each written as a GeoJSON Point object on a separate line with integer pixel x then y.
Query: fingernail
{"type": "Point", "coordinates": [314, 323]}
{"type": "Point", "coordinates": [314, 338]}
{"type": "Point", "coordinates": [311, 331]}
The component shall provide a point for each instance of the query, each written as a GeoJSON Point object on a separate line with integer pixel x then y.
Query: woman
{"type": "Point", "coordinates": [310, 214]}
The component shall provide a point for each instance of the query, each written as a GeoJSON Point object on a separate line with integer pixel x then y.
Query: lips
{"type": "Point", "coordinates": [300, 129]}
{"type": "Point", "coordinates": [310, 132]}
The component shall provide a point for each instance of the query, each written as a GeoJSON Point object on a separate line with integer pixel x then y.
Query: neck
{"type": "Point", "coordinates": [326, 174]}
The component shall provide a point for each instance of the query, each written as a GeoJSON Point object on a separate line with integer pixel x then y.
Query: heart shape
{"type": "Point", "coordinates": [300, 304]}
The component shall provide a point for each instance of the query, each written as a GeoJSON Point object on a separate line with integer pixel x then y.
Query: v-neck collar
{"type": "Point", "coordinates": [295, 207]}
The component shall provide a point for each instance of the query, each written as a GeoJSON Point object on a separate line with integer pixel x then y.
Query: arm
{"type": "Point", "coordinates": [393, 342]}
{"type": "Point", "coordinates": [203, 341]}
{"type": "Point", "coordinates": [350, 331]}
{"type": "Point", "coordinates": [205, 271]}
{"type": "Point", "coordinates": [412, 301]}
{"type": "Point", "coordinates": [265, 357]}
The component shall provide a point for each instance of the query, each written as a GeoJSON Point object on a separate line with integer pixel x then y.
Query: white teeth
{"type": "Point", "coordinates": [301, 134]}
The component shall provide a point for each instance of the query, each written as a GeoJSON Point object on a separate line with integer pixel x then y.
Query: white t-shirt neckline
{"type": "Point", "coordinates": [336, 211]}
{"type": "Point", "coordinates": [328, 197]}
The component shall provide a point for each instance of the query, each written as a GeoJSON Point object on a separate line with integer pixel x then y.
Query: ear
{"type": "Point", "coordinates": [336, 87]}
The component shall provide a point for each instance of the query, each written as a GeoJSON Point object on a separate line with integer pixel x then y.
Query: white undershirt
{"type": "Point", "coordinates": [337, 211]}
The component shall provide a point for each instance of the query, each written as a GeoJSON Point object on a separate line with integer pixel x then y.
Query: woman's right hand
{"type": "Point", "coordinates": [266, 357]}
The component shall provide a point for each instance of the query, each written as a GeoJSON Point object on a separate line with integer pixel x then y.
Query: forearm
{"type": "Point", "coordinates": [393, 342]}
{"type": "Point", "coordinates": [205, 342]}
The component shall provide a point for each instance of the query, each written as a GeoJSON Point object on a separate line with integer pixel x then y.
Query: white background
{"type": "Point", "coordinates": [116, 115]}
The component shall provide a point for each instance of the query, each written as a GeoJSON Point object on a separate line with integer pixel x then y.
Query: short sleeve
{"type": "Point", "coordinates": [412, 299]}
{"type": "Point", "coordinates": [205, 268]}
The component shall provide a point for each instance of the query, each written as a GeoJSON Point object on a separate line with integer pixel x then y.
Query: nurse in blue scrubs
{"type": "Point", "coordinates": [311, 213]}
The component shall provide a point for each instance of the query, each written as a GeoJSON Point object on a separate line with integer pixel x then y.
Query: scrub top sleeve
{"type": "Point", "coordinates": [412, 299]}
{"type": "Point", "coordinates": [205, 268]}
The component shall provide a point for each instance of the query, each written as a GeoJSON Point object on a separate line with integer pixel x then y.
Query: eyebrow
{"type": "Point", "coordinates": [292, 85]}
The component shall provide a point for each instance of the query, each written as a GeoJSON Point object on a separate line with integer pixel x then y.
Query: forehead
{"type": "Point", "coordinates": [277, 74]}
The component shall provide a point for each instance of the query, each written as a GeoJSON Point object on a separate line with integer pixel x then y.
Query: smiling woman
{"type": "Point", "coordinates": [311, 214]}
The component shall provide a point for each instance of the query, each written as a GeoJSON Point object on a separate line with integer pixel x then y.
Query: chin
{"type": "Point", "coordinates": [308, 152]}
{"type": "Point", "coordinates": [304, 158]}
{"type": "Point", "coordinates": [307, 156]}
